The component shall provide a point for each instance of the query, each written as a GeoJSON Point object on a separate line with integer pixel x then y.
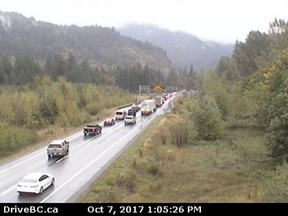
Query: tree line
{"type": "Point", "coordinates": [248, 89]}
{"type": "Point", "coordinates": [21, 70]}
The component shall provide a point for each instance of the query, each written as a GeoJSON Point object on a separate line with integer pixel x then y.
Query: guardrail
{"type": "Point", "coordinates": [123, 106]}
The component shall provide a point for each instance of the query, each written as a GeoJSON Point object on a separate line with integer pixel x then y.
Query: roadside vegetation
{"type": "Point", "coordinates": [173, 162]}
{"type": "Point", "coordinates": [225, 142]}
{"type": "Point", "coordinates": [43, 109]}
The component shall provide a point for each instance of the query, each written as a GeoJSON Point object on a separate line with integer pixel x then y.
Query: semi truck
{"type": "Point", "coordinates": [159, 101]}
{"type": "Point", "coordinates": [148, 107]}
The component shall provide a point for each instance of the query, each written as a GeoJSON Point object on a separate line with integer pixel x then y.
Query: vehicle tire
{"type": "Point", "coordinates": [41, 190]}
{"type": "Point", "coordinates": [52, 181]}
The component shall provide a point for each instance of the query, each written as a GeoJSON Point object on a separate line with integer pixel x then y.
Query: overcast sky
{"type": "Point", "coordinates": [219, 20]}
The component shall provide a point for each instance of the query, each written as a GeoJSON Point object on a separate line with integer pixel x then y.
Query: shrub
{"type": "Point", "coordinates": [126, 181]}
{"type": "Point", "coordinates": [277, 133]}
{"type": "Point", "coordinates": [207, 119]}
{"type": "Point", "coordinates": [179, 133]}
{"type": "Point", "coordinates": [14, 138]}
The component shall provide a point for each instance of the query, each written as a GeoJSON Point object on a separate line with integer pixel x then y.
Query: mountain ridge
{"type": "Point", "coordinates": [22, 36]}
{"type": "Point", "coordinates": [182, 48]}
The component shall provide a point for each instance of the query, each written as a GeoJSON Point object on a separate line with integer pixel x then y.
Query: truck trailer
{"type": "Point", "coordinates": [148, 107]}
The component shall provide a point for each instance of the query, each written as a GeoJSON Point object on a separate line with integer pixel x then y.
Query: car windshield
{"type": "Point", "coordinates": [119, 113]}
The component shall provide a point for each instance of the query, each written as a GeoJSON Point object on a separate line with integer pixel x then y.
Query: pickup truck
{"type": "Point", "coordinates": [92, 130]}
{"type": "Point", "coordinates": [58, 148]}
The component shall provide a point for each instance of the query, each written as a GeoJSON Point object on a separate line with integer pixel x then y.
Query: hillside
{"type": "Point", "coordinates": [22, 36]}
{"type": "Point", "coordinates": [182, 48]}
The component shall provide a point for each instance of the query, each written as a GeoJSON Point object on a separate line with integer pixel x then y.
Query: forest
{"type": "Point", "coordinates": [248, 90]}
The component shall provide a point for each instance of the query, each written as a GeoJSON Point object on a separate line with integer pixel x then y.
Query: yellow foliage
{"type": "Point", "coordinates": [267, 75]}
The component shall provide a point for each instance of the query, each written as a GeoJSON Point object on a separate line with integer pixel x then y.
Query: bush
{"type": "Point", "coordinates": [277, 133]}
{"type": "Point", "coordinates": [13, 139]}
{"type": "Point", "coordinates": [207, 119]}
{"type": "Point", "coordinates": [126, 181]}
{"type": "Point", "coordinates": [179, 133]}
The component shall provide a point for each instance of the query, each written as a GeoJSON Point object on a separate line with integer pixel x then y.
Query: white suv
{"type": "Point", "coordinates": [130, 120]}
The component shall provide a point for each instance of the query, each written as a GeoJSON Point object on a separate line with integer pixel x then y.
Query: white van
{"type": "Point", "coordinates": [120, 115]}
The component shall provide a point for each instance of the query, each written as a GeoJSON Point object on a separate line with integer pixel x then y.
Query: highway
{"type": "Point", "coordinates": [88, 158]}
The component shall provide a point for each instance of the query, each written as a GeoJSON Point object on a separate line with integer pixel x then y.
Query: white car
{"type": "Point", "coordinates": [35, 183]}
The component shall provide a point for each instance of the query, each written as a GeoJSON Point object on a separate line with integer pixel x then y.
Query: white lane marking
{"type": "Point", "coordinates": [80, 171]}
{"type": "Point", "coordinates": [18, 164]}
{"type": "Point", "coordinates": [61, 159]}
{"type": "Point", "coordinates": [7, 191]}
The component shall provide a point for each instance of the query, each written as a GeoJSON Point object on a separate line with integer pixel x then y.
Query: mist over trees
{"type": "Point", "coordinates": [182, 48]}
{"type": "Point", "coordinates": [22, 37]}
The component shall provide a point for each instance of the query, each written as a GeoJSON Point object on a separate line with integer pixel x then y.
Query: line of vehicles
{"type": "Point", "coordinates": [147, 107]}
{"type": "Point", "coordinates": [37, 182]}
